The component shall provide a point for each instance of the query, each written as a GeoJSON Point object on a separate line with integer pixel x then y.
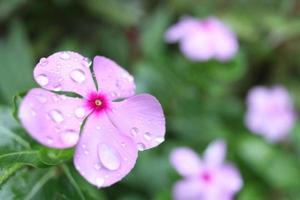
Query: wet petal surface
{"type": "Point", "coordinates": [53, 120]}
{"type": "Point", "coordinates": [141, 118]}
{"type": "Point", "coordinates": [65, 71]}
{"type": "Point", "coordinates": [104, 155]}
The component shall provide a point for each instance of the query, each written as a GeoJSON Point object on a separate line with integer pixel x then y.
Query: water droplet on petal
{"type": "Point", "coordinates": [123, 144]}
{"type": "Point", "coordinates": [78, 76]}
{"type": "Point", "coordinates": [97, 166]}
{"type": "Point", "coordinates": [57, 87]}
{"type": "Point", "coordinates": [83, 146]}
{"type": "Point", "coordinates": [79, 112]}
{"type": "Point", "coordinates": [134, 131]}
{"type": "Point", "coordinates": [86, 62]}
{"type": "Point", "coordinates": [42, 80]}
{"type": "Point", "coordinates": [109, 157]}
{"type": "Point", "coordinates": [41, 98]}
{"type": "Point", "coordinates": [49, 140]}
{"type": "Point", "coordinates": [98, 128]}
{"type": "Point", "coordinates": [65, 55]}
{"type": "Point", "coordinates": [148, 136]}
{"type": "Point", "coordinates": [99, 182]}
{"type": "Point", "coordinates": [86, 152]}
{"type": "Point", "coordinates": [69, 137]}
{"type": "Point", "coordinates": [159, 140]}
{"type": "Point", "coordinates": [141, 147]}
{"type": "Point", "coordinates": [56, 116]}
{"type": "Point", "coordinates": [33, 113]}
{"type": "Point", "coordinates": [43, 61]}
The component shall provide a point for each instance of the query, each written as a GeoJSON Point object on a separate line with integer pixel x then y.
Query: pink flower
{"type": "Point", "coordinates": [270, 112]}
{"type": "Point", "coordinates": [201, 40]}
{"type": "Point", "coordinates": [209, 178]}
{"type": "Point", "coordinates": [107, 148]}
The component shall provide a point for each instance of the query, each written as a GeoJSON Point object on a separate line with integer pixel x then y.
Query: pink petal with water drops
{"type": "Point", "coordinates": [113, 79]}
{"type": "Point", "coordinates": [188, 189]}
{"type": "Point", "coordinates": [215, 153]}
{"type": "Point", "coordinates": [185, 161]}
{"type": "Point", "coordinates": [104, 155]}
{"type": "Point", "coordinates": [141, 118]}
{"type": "Point", "coordinates": [65, 71]}
{"type": "Point", "coordinates": [53, 120]}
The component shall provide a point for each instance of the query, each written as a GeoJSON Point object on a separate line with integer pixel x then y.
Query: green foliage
{"type": "Point", "coordinates": [202, 100]}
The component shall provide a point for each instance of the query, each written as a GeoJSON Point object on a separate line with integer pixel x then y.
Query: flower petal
{"type": "Point", "coordinates": [215, 153]}
{"type": "Point", "coordinates": [140, 117]}
{"type": "Point", "coordinates": [188, 189]}
{"type": "Point", "coordinates": [53, 120]}
{"type": "Point", "coordinates": [180, 29]}
{"type": "Point", "coordinates": [224, 40]}
{"type": "Point", "coordinates": [197, 45]}
{"type": "Point", "coordinates": [230, 179]}
{"type": "Point", "coordinates": [104, 155]}
{"type": "Point", "coordinates": [186, 161]}
{"type": "Point", "coordinates": [112, 79]}
{"type": "Point", "coordinates": [65, 71]}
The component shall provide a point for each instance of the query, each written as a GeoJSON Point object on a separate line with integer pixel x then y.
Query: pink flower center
{"type": "Point", "coordinates": [97, 102]}
{"type": "Point", "coordinates": [206, 177]}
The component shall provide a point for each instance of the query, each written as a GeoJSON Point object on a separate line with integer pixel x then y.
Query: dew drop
{"type": "Point", "coordinates": [65, 55]}
{"type": "Point", "coordinates": [33, 113]}
{"type": "Point", "coordinates": [43, 61]}
{"type": "Point", "coordinates": [49, 140]}
{"type": "Point", "coordinates": [123, 144]}
{"type": "Point", "coordinates": [77, 76]}
{"type": "Point", "coordinates": [97, 166]}
{"type": "Point", "coordinates": [86, 152]}
{"type": "Point", "coordinates": [83, 146]}
{"type": "Point", "coordinates": [79, 112]}
{"type": "Point", "coordinates": [56, 116]}
{"type": "Point", "coordinates": [159, 140]}
{"type": "Point", "coordinates": [134, 131]}
{"type": "Point", "coordinates": [109, 157]}
{"type": "Point", "coordinates": [42, 79]}
{"type": "Point", "coordinates": [141, 147]}
{"type": "Point", "coordinates": [99, 182]}
{"type": "Point", "coordinates": [69, 137]}
{"type": "Point", "coordinates": [86, 62]}
{"type": "Point", "coordinates": [57, 87]}
{"type": "Point", "coordinates": [41, 98]}
{"type": "Point", "coordinates": [148, 136]}
{"type": "Point", "coordinates": [98, 128]}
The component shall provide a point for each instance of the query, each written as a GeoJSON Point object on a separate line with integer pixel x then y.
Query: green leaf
{"type": "Point", "coordinates": [7, 7]}
{"type": "Point", "coordinates": [7, 171]}
{"type": "Point", "coordinates": [125, 13]}
{"type": "Point", "coordinates": [279, 168]}
{"type": "Point", "coordinates": [16, 63]}
{"type": "Point", "coordinates": [23, 157]}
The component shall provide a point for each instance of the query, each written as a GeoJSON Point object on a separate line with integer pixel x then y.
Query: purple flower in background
{"type": "Point", "coordinates": [270, 112]}
{"type": "Point", "coordinates": [209, 178]}
{"type": "Point", "coordinates": [201, 40]}
{"type": "Point", "coordinates": [114, 131]}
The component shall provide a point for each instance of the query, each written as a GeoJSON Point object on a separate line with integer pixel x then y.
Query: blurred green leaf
{"type": "Point", "coordinates": [16, 63]}
{"type": "Point", "coordinates": [7, 7]}
{"type": "Point", "coordinates": [125, 13]}
{"type": "Point", "coordinates": [280, 169]}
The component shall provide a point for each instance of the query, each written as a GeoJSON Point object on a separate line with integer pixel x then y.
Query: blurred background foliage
{"type": "Point", "coordinates": [202, 101]}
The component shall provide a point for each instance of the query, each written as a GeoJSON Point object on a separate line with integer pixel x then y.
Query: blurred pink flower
{"type": "Point", "coordinates": [114, 131]}
{"type": "Point", "coordinates": [270, 112]}
{"type": "Point", "coordinates": [209, 178]}
{"type": "Point", "coordinates": [201, 40]}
